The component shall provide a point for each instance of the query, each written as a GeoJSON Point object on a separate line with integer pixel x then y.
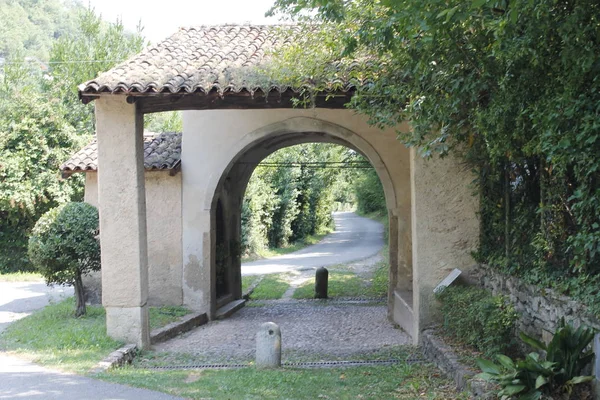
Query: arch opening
{"type": "Point", "coordinates": [232, 184]}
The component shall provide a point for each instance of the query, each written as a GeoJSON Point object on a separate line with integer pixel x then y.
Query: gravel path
{"type": "Point", "coordinates": [309, 329]}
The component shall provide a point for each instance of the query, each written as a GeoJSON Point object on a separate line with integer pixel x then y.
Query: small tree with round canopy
{"type": "Point", "coordinates": [64, 246]}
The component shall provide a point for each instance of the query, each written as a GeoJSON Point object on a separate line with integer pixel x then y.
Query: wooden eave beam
{"type": "Point", "coordinates": [160, 102]}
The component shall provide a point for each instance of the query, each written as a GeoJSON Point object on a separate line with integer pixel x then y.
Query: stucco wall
{"type": "Point", "coordinates": [445, 230]}
{"type": "Point", "coordinates": [163, 208]}
{"type": "Point", "coordinates": [445, 226]}
{"type": "Point", "coordinates": [212, 139]}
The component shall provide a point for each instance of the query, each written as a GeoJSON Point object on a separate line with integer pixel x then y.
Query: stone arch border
{"type": "Point", "coordinates": [231, 178]}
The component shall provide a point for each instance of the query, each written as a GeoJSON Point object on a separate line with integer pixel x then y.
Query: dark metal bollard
{"type": "Point", "coordinates": [321, 283]}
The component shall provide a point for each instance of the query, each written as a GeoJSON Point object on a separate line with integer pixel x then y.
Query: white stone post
{"type": "Point", "coordinates": [122, 201]}
{"type": "Point", "coordinates": [268, 346]}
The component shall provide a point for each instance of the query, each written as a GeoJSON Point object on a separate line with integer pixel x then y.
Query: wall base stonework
{"type": "Point", "coordinates": [540, 309]}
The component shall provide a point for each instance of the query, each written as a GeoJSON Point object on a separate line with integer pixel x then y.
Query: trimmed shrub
{"type": "Point", "coordinates": [476, 318]}
{"type": "Point", "coordinates": [64, 246]}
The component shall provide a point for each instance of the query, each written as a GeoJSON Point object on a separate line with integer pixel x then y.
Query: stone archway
{"type": "Point", "coordinates": [249, 148]}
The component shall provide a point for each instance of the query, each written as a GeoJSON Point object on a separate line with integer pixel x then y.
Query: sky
{"type": "Point", "coordinates": [161, 18]}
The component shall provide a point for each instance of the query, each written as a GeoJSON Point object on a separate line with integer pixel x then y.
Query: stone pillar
{"type": "Point", "coordinates": [121, 195]}
{"type": "Point", "coordinates": [445, 228]}
{"type": "Point", "coordinates": [268, 346]}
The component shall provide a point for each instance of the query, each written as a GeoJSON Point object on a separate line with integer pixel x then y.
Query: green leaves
{"type": "Point", "coordinates": [530, 378]}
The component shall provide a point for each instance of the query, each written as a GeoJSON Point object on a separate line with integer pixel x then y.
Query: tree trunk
{"type": "Point", "coordinates": [79, 297]}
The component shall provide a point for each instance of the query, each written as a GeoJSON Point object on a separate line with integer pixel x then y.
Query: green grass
{"type": "Point", "coordinates": [20, 277]}
{"type": "Point", "coordinates": [162, 316]}
{"type": "Point", "coordinates": [55, 338]}
{"type": "Point", "coordinates": [380, 382]}
{"type": "Point", "coordinates": [248, 281]}
{"type": "Point", "coordinates": [273, 252]}
{"type": "Point", "coordinates": [271, 287]}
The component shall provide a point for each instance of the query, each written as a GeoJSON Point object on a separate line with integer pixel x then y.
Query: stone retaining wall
{"type": "Point", "coordinates": [540, 310]}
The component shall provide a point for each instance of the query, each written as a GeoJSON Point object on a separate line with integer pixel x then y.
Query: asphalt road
{"type": "Point", "coordinates": [355, 238]}
{"type": "Point", "coordinates": [21, 379]}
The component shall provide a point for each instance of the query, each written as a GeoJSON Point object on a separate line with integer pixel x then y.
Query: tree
{"type": "Point", "coordinates": [96, 46]}
{"type": "Point", "coordinates": [64, 245]}
{"type": "Point", "coordinates": [42, 122]}
{"type": "Point", "coordinates": [34, 141]}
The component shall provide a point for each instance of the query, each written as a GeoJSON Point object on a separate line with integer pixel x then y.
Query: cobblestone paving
{"type": "Point", "coordinates": [309, 329]}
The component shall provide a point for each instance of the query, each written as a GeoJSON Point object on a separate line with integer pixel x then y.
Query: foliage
{"type": "Point", "coordinates": [369, 193]}
{"type": "Point", "coordinates": [290, 196]}
{"type": "Point", "coordinates": [34, 141]}
{"type": "Point", "coordinates": [566, 357]}
{"type": "Point", "coordinates": [170, 121]}
{"type": "Point", "coordinates": [64, 245]}
{"type": "Point", "coordinates": [476, 318]}
{"type": "Point", "coordinates": [42, 121]}
{"type": "Point", "coordinates": [569, 349]}
{"type": "Point", "coordinates": [95, 46]}
{"type": "Point", "coordinates": [30, 26]}
{"type": "Point", "coordinates": [511, 86]}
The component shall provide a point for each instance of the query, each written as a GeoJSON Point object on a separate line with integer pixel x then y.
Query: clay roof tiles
{"type": "Point", "coordinates": [162, 151]}
{"type": "Point", "coordinates": [203, 59]}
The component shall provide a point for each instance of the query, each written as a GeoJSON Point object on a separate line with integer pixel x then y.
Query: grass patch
{"type": "Point", "coordinates": [271, 287]}
{"type": "Point", "coordinates": [20, 277]}
{"type": "Point", "coordinates": [55, 338]}
{"type": "Point", "coordinates": [380, 280]}
{"type": "Point", "coordinates": [273, 252]}
{"type": "Point", "coordinates": [341, 284]}
{"type": "Point", "coordinates": [162, 316]}
{"type": "Point", "coordinates": [248, 281]}
{"type": "Point", "coordinates": [380, 382]}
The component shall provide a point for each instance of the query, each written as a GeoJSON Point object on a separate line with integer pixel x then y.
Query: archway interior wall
{"type": "Point", "coordinates": [215, 141]}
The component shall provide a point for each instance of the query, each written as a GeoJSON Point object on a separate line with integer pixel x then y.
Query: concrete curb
{"type": "Point", "coordinates": [127, 353]}
{"type": "Point", "coordinates": [117, 358]}
{"type": "Point", "coordinates": [443, 356]}
{"type": "Point", "coordinates": [185, 324]}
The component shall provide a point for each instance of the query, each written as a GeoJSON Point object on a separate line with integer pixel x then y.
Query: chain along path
{"type": "Point", "coordinates": [21, 379]}
{"type": "Point", "coordinates": [311, 329]}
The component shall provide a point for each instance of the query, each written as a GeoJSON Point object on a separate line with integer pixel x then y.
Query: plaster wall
{"type": "Point", "coordinates": [163, 221]}
{"type": "Point", "coordinates": [445, 227]}
{"type": "Point", "coordinates": [213, 138]}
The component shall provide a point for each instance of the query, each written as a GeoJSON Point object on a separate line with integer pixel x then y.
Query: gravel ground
{"type": "Point", "coordinates": [309, 330]}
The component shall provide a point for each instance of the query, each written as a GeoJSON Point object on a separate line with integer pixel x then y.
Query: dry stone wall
{"type": "Point", "coordinates": [540, 309]}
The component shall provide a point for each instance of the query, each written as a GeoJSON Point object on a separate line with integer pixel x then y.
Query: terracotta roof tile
{"type": "Point", "coordinates": [200, 60]}
{"type": "Point", "coordinates": [161, 152]}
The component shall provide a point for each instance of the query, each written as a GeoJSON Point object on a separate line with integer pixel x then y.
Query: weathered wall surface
{"type": "Point", "coordinates": [213, 139]}
{"type": "Point", "coordinates": [163, 220]}
{"type": "Point", "coordinates": [433, 236]}
{"type": "Point", "coordinates": [445, 226]}
{"type": "Point", "coordinates": [540, 309]}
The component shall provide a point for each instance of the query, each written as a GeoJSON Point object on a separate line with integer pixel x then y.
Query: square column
{"type": "Point", "coordinates": [122, 201]}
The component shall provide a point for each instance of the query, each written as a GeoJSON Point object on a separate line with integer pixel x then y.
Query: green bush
{"type": "Point", "coordinates": [64, 246]}
{"type": "Point", "coordinates": [566, 357]}
{"type": "Point", "coordinates": [476, 318]}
